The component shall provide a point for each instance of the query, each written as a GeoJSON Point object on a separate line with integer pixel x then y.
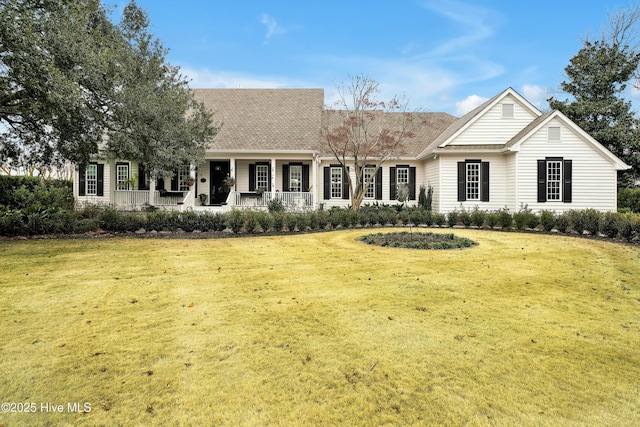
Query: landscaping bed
{"type": "Point", "coordinates": [410, 240]}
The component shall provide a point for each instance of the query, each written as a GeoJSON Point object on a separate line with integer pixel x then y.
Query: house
{"type": "Point", "coordinates": [503, 154]}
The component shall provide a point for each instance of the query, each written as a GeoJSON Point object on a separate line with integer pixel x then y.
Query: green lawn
{"type": "Point", "coordinates": [523, 329]}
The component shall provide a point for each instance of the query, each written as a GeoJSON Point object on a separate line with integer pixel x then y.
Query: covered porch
{"type": "Point", "coordinates": [255, 182]}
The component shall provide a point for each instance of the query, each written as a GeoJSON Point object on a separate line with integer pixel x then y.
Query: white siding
{"type": "Point", "coordinates": [593, 177]}
{"type": "Point", "coordinates": [432, 177]}
{"type": "Point", "coordinates": [511, 183]}
{"type": "Point", "coordinates": [386, 196]}
{"type": "Point", "coordinates": [498, 196]}
{"type": "Point", "coordinates": [491, 128]}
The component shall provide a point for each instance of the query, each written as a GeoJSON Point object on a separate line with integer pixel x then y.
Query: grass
{"type": "Point", "coordinates": [523, 329]}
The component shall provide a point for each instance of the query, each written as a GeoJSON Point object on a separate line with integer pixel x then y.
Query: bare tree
{"type": "Point", "coordinates": [365, 132]}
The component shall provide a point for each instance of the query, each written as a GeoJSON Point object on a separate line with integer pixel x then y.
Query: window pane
{"type": "Point", "coordinates": [122, 176]}
{"type": "Point", "coordinates": [473, 181]}
{"type": "Point", "coordinates": [183, 178]}
{"type": "Point", "coordinates": [336, 183]}
{"type": "Point", "coordinates": [371, 191]}
{"type": "Point", "coordinates": [92, 180]}
{"type": "Point", "coordinates": [554, 176]}
{"type": "Point", "coordinates": [262, 177]}
{"type": "Point", "coordinates": [295, 178]}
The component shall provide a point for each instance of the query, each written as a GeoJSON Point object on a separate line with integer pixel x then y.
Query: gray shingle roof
{"type": "Point", "coordinates": [265, 119]}
{"type": "Point", "coordinates": [426, 126]}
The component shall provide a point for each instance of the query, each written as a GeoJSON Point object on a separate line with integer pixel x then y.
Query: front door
{"type": "Point", "coordinates": [219, 190]}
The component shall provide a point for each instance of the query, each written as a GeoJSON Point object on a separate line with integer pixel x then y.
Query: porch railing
{"type": "Point", "coordinates": [299, 200]}
{"type": "Point", "coordinates": [135, 199]}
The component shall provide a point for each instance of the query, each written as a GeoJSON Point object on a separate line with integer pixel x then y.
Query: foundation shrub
{"type": "Point", "coordinates": [577, 220]}
{"type": "Point", "coordinates": [504, 219]}
{"type": "Point", "coordinates": [439, 219]}
{"type": "Point", "coordinates": [478, 217]}
{"type": "Point", "coordinates": [452, 217]}
{"type": "Point", "coordinates": [265, 220]}
{"type": "Point", "coordinates": [190, 221]}
{"type": "Point", "coordinates": [610, 224]}
{"type": "Point", "coordinates": [563, 222]}
{"type": "Point", "coordinates": [387, 216]}
{"type": "Point", "coordinates": [321, 219]}
{"type": "Point", "coordinates": [235, 220]}
{"type": "Point", "coordinates": [278, 221]}
{"type": "Point", "coordinates": [465, 218]}
{"type": "Point", "coordinates": [548, 220]}
{"type": "Point", "coordinates": [592, 221]}
{"type": "Point", "coordinates": [251, 221]}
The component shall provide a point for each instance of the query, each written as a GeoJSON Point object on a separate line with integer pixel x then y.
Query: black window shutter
{"type": "Point", "coordinates": [484, 181]}
{"type": "Point", "coordinates": [305, 177]}
{"type": "Point", "coordinates": [268, 177]}
{"type": "Point", "coordinates": [379, 184]}
{"type": "Point", "coordinates": [327, 183]}
{"type": "Point", "coordinates": [566, 188]}
{"type": "Point", "coordinates": [160, 184]}
{"type": "Point", "coordinates": [174, 181]}
{"type": "Point", "coordinates": [462, 181]}
{"type": "Point", "coordinates": [142, 178]}
{"type": "Point", "coordinates": [412, 183]}
{"type": "Point", "coordinates": [542, 180]}
{"type": "Point", "coordinates": [100, 191]}
{"type": "Point", "coordinates": [252, 177]}
{"type": "Point", "coordinates": [82, 181]}
{"type": "Point", "coordinates": [285, 177]}
{"type": "Point", "coordinates": [345, 182]}
{"type": "Point", "coordinates": [392, 183]}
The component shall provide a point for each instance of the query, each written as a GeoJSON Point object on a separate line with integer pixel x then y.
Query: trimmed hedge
{"type": "Point", "coordinates": [39, 220]}
{"type": "Point", "coordinates": [20, 192]}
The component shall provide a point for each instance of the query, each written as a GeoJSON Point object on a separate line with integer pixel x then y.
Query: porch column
{"type": "Point", "coordinates": [152, 190]}
{"type": "Point", "coordinates": [314, 180]}
{"type": "Point", "coordinates": [232, 169]}
{"type": "Point", "coordinates": [273, 178]}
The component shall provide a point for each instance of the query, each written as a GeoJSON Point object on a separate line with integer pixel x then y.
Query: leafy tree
{"type": "Point", "coordinates": [157, 119]}
{"type": "Point", "coordinates": [70, 77]}
{"type": "Point", "coordinates": [365, 131]}
{"type": "Point", "coordinates": [597, 78]}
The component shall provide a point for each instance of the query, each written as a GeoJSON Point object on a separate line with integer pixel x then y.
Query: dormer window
{"type": "Point", "coordinates": [507, 111]}
{"type": "Point", "coordinates": [553, 133]}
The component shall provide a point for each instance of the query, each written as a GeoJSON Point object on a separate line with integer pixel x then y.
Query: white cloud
{"type": "Point", "coordinates": [468, 104]}
{"type": "Point", "coordinates": [205, 78]}
{"type": "Point", "coordinates": [472, 20]}
{"type": "Point", "coordinates": [271, 25]}
{"type": "Point", "coordinates": [537, 95]}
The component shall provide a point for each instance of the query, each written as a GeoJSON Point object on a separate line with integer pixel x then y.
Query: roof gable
{"type": "Point", "coordinates": [539, 123]}
{"type": "Point", "coordinates": [465, 122]}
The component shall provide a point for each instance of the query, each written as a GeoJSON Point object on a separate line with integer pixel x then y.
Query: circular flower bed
{"type": "Point", "coordinates": [408, 240]}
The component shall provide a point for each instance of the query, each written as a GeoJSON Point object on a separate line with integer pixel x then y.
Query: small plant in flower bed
{"type": "Point", "coordinates": [408, 240]}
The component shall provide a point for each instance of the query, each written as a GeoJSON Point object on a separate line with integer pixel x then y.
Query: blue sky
{"type": "Point", "coordinates": [443, 55]}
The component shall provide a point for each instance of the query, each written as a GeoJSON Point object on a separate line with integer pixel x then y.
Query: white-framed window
{"type": "Point", "coordinates": [336, 182]}
{"type": "Point", "coordinates": [508, 111]}
{"type": "Point", "coordinates": [473, 180]}
{"type": "Point", "coordinates": [92, 179]}
{"type": "Point", "coordinates": [367, 173]}
{"type": "Point", "coordinates": [262, 177]}
{"type": "Point", "coordinates": [183, 178]}
{"type": "Point", "coordinates": [295, 178]}
{"type": "Point", "coordinates": [554, 180]}
{"type": "Point", "coordinates": [122, 176]}
{"type": "Point", "coordinates": [553, 133]}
